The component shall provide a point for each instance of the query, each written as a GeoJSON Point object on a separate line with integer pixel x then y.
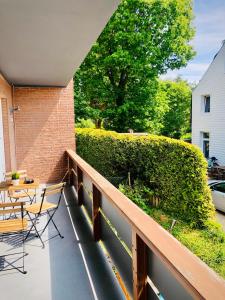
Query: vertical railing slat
{"type": "Point", "coordinates": [139, 254]}
{"type": "Point", "coordinates": [96, 216]}
{"type": "Point", "coordinates": [80, 186]}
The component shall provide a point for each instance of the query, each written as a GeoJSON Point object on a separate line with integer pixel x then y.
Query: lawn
{"type": "Point", "coordinates": [207, 243]}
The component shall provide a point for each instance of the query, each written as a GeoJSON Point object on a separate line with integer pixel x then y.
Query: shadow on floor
{"type": "Point", "coordinates": [91, 274]}
{"type": "Point", "coordinates": [70, 268]}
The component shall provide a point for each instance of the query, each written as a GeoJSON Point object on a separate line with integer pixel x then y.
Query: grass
{"type": "Point", "coordinates": [207, 243]}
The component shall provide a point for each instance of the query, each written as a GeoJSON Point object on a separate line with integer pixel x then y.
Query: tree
{"type": "Point", "coordinates": [117, 81]}
{"type": "Point", "coordinates": [177, 95]}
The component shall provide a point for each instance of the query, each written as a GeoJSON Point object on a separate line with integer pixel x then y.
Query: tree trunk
{"type": "Point", "coordinates": [98, 124]}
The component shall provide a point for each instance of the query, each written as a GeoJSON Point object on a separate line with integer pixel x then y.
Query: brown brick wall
{"type": "Point", "coordinates": [44, 129]}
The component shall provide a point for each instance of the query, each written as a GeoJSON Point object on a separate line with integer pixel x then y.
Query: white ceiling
{"type": "Point", "coordinates": [43, 42]}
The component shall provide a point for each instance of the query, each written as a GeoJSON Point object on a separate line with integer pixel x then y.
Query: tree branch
{"type": "Point", "coordinates": [111, 77]}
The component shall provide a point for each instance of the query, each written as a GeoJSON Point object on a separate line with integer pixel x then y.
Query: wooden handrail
{"type": "Point", "coordinates": [200, 281]}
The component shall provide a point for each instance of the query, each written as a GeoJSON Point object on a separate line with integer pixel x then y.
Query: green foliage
{"type": "Point", "coordinates": [177, 178]}
{"type": "Point", "coordinates": [174, 170]}
{"type": "Point", "coordinates": [15, 175]}
{"type": "Point", "coordinates": [177, 119]}
{"type": "Point", "coordinates": [85, 123]}
{"type": "Point", "coordinates": [208, 243]}
{"type": "Point", "coordinates": [117, 81]}
{"type": "Point", "coordinates": [186, 136]}
{"type": "Point", "coordinates": [139, 194]}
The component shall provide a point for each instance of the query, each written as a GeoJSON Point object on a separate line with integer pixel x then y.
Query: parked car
{"type": "Point", "coordinates": [218, 194]}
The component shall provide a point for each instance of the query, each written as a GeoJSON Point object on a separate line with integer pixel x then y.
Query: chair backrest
{"type": "Point", "coordinates": [22, 173]}
{"type": "Point", "coordinates": [52, 190]}
{"type": "Point", "coordinates": [9, 208]}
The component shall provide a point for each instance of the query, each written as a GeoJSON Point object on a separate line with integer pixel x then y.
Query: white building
{"type": "Point", "coordinates": [208, 109]}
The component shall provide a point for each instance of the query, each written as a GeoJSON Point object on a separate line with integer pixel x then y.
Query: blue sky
{"type": "Point", "coordinates": [210, 32]}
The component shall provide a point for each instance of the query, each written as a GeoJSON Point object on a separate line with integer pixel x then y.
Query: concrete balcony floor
{"type": "Point", "coordinates": [70, 268]}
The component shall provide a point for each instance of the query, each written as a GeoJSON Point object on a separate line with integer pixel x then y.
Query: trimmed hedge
{"type": "Point", "coordinates": [173, 169]}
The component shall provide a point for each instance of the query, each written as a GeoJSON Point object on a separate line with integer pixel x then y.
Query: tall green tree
{"type": "Point", "coordinates": [176, 120]}
{"type": "Point", "coordinates": [117, 80]}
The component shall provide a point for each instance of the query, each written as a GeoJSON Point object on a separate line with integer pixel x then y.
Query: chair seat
{"type": "Point", "coordinates": [21, 195]}
{"type": "Point", "coordinates": [35, 208]}
{"type": "Point", "coordinates": [13, 225]}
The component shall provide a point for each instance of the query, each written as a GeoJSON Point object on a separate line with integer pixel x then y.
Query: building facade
{"type": "Point", "coordinates": [42, 45]}
{"type": "Point", "coordinates": [208, 108]}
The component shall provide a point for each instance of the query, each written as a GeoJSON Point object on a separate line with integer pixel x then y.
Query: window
{"type": "Point", "coordinates": [219, 187]}
{"type": "Point", "coordinates": [205, 144]}
{"type": "Point", "coordinates": [206, 104]}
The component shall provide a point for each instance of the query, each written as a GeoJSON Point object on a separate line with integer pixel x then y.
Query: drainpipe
{"type": "Point", "coordinates": [14, 124]}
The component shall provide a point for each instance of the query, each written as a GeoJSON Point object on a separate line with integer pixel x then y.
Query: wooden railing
{"type": "Point", "coordinates": [161, 267]}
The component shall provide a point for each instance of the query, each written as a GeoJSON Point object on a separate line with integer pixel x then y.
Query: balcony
{"type": "Point", "coordinates": [111, 250]}
{"type": "Point", "coordinates": [66, 267]}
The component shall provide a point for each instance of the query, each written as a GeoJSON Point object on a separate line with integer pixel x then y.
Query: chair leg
{"type": "Point", "coordinates": [43, 230]}
{"type": "Point", "coordinates": [12, 263]}
{"type": "Point", "coordinates": [30, 227]}
{"type": "Point", "coordinates": [24, 254]}
{"type": "Point", "coordinates": [38, 235]}
{"type": "Point", "coordinates": [56, 227]}
{"type": "Point", "coordinates": [35, 228]}
{"type": "Point", "coordinates": [51, 220]}
{"type": "Point", "coordinates": [32, 199]}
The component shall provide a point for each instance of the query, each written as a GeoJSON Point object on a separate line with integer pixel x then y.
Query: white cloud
{"type": "Point", "coordinates": [196, 67]}
{"type": "Point", "coordinates": [193, 72]}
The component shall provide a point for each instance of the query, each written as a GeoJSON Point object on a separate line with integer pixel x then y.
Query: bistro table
{"type": "Point", "coordinates": [7, 187]}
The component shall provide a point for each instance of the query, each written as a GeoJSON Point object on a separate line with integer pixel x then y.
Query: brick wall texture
{"type": "Point", "coordinates": [44, 129]}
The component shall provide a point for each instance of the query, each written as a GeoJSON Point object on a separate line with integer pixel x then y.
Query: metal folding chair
{"type": "Point", "coordinates": [10, 228]}
{"type": "Point", "coordinates": [45, 208]}
{"type": "Point", "coordinates": [21, 194]}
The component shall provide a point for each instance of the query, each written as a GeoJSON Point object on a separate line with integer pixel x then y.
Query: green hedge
{"type": "Point", "coordinates": [173, 169]}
